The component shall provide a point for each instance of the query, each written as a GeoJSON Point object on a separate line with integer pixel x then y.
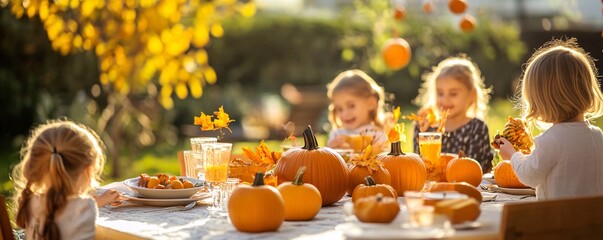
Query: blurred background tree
{"type": "Point", "coordinates": [146, 51]}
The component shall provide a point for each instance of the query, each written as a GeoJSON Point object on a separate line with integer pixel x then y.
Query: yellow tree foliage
{"type": "Point", "coordinates": [138, 42]}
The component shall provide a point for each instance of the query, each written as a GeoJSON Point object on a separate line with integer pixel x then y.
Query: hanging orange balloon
{"type": "Point", "coordinates": [399, 13]}
{"type": "Point", "coordinates": [427, 7]}
{"type": "Point", "coordinates": [396, 53]}
{"type": "Point", "coordinates": [457, 6]}
{"type": "Point", "coordinates": [467, 23]}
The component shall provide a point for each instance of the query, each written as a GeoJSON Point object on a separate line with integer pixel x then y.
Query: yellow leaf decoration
{"type": "Point", "coordinates": [396, 132]}
{"type": "Point", "coordinates": [429, 118]}
{"type": "Point", "coordinates": [221, 121]}
{"type": "Point", "coordinates": [262, 154]}
{"type": "Point", "coordinates": [367, 159]}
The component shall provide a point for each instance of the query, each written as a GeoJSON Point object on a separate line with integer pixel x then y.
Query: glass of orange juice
{"type": "Point", "coordinates": [216, 157]}
{"type": "Point", "coordinates": [430, 146]}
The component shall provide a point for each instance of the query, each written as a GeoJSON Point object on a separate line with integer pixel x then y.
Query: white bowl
{"type": "Point", "coordinates": [132, 183]}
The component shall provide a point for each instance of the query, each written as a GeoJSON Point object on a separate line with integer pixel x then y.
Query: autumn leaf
{"type": "Point", "coordinates": [367, 159]}
{"type": "Point", "coordinates": [205, 122]}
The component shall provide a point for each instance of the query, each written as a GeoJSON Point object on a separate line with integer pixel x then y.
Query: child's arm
{"type": "Point", "coordinates": [109, 196]}
{"type": "Point", "coordinates": [533, 168]}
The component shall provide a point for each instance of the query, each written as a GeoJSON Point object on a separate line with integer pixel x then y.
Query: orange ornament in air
{"type": "Point", "coordinates": [396, 53]}
{"type": "Point", "coordinates": [467, 23]}
{"type": "Point", "coordinates": [457, 6]}
{"type": "Point", "coordinates": [399, 13]}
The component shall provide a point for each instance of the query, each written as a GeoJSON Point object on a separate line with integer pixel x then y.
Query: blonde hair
{"type": "Point", "coordinates": [465, 71]}
{"type": "Point", "coordinates": [560, 83]}
{"type": "Point", "coordinates": [53, 161]}
{"type": "Point", "coordinates": [358, 84]}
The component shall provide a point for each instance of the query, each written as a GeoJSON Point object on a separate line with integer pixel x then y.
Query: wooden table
{"type": "Point", "coordinates": [146, 222]}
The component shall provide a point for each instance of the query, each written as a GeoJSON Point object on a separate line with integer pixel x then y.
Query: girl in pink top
{"type": "Point", "coordinates": [560, 93]}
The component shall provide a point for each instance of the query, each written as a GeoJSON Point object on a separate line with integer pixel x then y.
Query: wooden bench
{"type": "Point", "coordinates": [574, 218]}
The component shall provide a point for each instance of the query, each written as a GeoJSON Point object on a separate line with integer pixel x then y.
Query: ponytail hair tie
{"type": "Point", "coordinates": [54, 149]}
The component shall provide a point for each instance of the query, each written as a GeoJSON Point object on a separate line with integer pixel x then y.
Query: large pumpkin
{"type": "Point", "coordinates": [256, 208]}
{"type": "Point", "coordinates": [326, 170]}
{"type": "Point", "coordinates": [505, 176]}
{"type": "Point", "coordinates": [407, 170]}
{"type": "Point", "coordinates": [464, 169]}
{"type": "Point", "coordinates": [461, 187]}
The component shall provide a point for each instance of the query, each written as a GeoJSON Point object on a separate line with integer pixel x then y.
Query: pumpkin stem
{"type": "Point", "coordinates": [370, 181]}
{"type": "Point", "coordinates": [396, 149]}
{"type": "Point", "coordinates": [461, 153]}
{"type": "Point", "coordinates": [259, 179]}
{"type": "Point", "coordinates": [310, 142]}
{"type": "Point", "coordinates": [299, 175]}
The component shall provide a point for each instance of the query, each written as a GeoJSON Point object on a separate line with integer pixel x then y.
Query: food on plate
{"type": "Point", "coordinates": [164, 181]}
{"type": "Point", "coordinates": [459, 210]}
{"type": "Point", "coordinates": [461, 187]}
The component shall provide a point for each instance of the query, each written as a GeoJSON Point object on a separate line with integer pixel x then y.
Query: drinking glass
{"type": "Point", "coordinates": [197, 146]}
{"type": "Point", "coordinates": [189, 164]}
{"type": "Point", "coordinates": [430, 147]}
{"type": "Point", "coordinates": [216, 158]}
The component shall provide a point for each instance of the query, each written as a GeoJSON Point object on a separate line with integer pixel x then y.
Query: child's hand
{"type": "Point", "coordinates": [109, 196]}
{"type": "Point", "coordinates": [338, 142]}
{"type": "Point", "coordinates": [505, 148]}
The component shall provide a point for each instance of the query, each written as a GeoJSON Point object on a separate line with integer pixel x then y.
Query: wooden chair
{"type": "Point", "coordinates": [5, 228]}
{"type": "Point", "coordinates": [575, 218]}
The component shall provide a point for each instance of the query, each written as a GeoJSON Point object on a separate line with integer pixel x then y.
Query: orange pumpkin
{"type": "Point", "coordinates": [359, 173]}
{"type": "Point", "coordinates": [505, 176]}
{"type": "Point", "coordinates": [396, 53]}
{"type": "Point", "coordinates": [464, 169]}
{"type": "Point", "coordinates": [407, 170]}
{"type": "Point", "coordinates": [457, 6]}
{"type": "Point", "coordinates": [326, 170]}
{"type": "Point", "coordinates": [256, 208]}
{"type": "Point", "coordinates": [376, 209]}
{"type": "Point", "coordinates": [371, 188]}
{"type": "Point", "coordinates": [461, 187]}
{"type": "Point", "coordinates": [467, 23]}
{"type": "Point", "coordinates": [302, 200]}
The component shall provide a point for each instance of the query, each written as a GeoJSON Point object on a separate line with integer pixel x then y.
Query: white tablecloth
{"type": "Point", "coordinates": [139, 221]}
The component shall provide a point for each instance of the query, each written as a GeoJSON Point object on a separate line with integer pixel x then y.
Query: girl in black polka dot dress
{"type": "Point", "coordinates": [456, 85]}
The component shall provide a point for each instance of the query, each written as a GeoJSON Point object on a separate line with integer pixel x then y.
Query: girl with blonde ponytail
{"type": "Point", "coordinates": [61, 163]}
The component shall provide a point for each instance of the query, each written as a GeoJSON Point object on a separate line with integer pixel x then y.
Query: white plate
{"type": "Point", "coordinates": [489, 177]}
{"type": "Point", "coordinates": [168, 202]}
{"type": "Point", "coordinates": [517, 191]}
{"type": "Point", "coordinates": [389, 231]}
{"type": "Point", "coordinates": [132, 183]}
{"type": "Point", "coordinates": [486, 196]}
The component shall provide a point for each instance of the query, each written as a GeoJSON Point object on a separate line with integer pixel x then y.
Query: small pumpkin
{"type": "Point", "coordinates": [407, 170]}
{"type": "Point", "coordinates": [302, 200]}
{"type": "Point", "coordinates": [371, 188]}
{"type": "Point", "coordinates": [505, 176]}
{"type": "Point", "coordinates": [327, 171]}
{"type": "Point", "coordinates": [256, 208]}
{"type": "Point", "coordinates": [376, 209]}
{"type": "Point", "coordinates": [367, 165]}
{"type": "Point", "coordinates": [464, 169]}
{"type": "Point", "coordinates": [461, 187]}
